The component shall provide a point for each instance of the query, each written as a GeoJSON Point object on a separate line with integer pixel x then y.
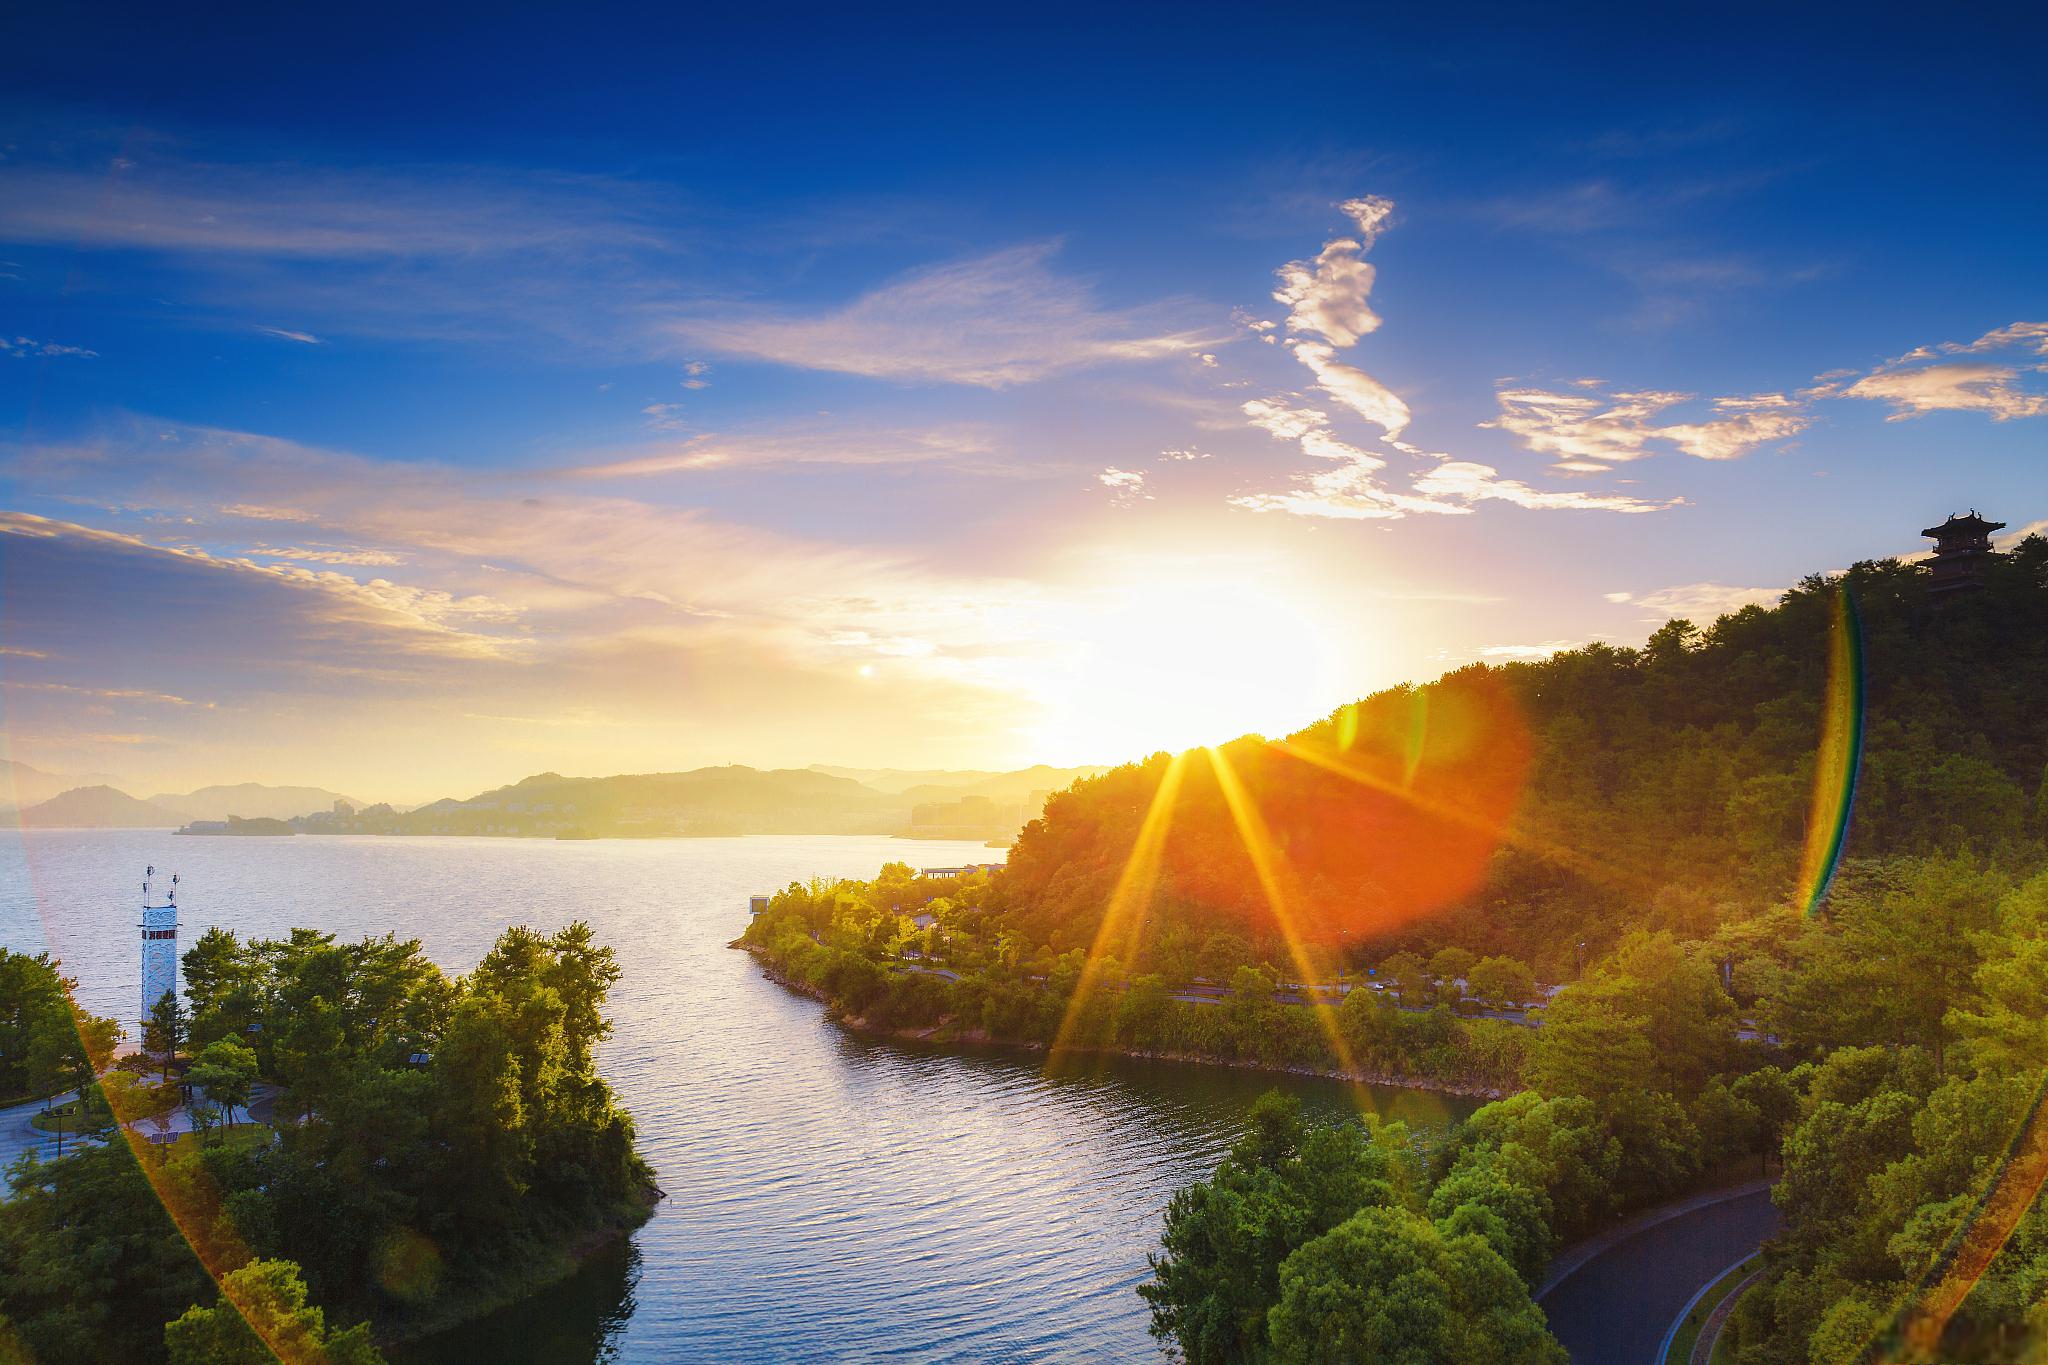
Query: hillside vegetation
{"type": "Point", "coordinates": [1630, 824]}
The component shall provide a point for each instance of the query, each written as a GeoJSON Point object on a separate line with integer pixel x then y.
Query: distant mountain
{"type": "Point", "coordinates": [715, 801]}
{"type": "Point", "coordinates": [932, 784]}
{"type": "Point", "coordinates": [705, 801]}
{"type": "Point", "coordinates": [22, 785]}
{"type": "Point", "coordinates": [894, 780]}
{"type": "Point", "coordinates": [98, 808]}
{"type": "Point", "coordinates": [1001, 788]}
{"type": "Point", "coordinates": [251, 801]}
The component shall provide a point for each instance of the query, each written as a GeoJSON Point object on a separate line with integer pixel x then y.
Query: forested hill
{"type": "Point", "coordinates": [1533, 807]}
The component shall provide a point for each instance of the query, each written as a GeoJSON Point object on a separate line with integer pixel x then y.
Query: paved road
{"type": "Point", "coordinates": [18, 1135]}
{"type": "Point", "coordinates": [1614, 1308]}
{"type": "Point", "coordinates": [1211, 995]}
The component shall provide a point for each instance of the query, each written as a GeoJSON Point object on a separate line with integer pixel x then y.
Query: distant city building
{"type": "Point", "coordinates": [1961, 545]}
{"type": "Point", "coordinates": [159, 943]}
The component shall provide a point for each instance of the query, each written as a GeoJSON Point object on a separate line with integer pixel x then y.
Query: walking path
{"type": "Point", "coordinates": [18, 1134]}
{"type": "Point", "coordinates": [1710, 1330]}
{"type": "Point", "coordinates": [1610, 1299]}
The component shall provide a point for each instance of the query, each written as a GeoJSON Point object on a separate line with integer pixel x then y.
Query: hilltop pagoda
{"type": "Point", "coordinates": [1961, 545]}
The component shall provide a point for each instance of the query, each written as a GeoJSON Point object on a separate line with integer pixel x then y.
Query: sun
{"type": "Point", "coordinates": [1172, 658]}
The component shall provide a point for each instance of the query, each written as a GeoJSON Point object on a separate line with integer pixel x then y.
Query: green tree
{"type": "Point", "coordinates": [1452, 963]}
{"type": "Point", "coordinates": [1502, 980]}
{"type": "Point", "coordinates": [1406, 973]}
{"type": "Point", "coordinates": [226, 1071]}
{"type": "Point", "coordinates": [262, 1318]}
{"type": "Point", "coordinates": [163, 1033]}
{"type": "Point", "coordinates": [1388, 1285]}
{"type": "Point", "coordinates": [1283, 1183]}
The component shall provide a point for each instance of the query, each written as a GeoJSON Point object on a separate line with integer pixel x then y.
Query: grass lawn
{"type": "Point", "coordinates": [243, 1134]}
{"type": "Point", "coordinates": [1682, 1344]}
{"type": "Point", "coordinates": [69, 1118]}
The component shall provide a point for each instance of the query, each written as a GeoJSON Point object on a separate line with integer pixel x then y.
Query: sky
{"type": "Point", "coordinates": [405, 404]}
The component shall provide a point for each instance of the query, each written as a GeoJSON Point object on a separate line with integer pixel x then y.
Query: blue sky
{"type": "Point", "coordinates": [409, 405]}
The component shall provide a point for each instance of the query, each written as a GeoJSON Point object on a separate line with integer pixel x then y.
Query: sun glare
{"type": "Point", "coordinates": [1178, 659]}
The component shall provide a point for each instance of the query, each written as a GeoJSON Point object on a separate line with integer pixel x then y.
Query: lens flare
{"type": "Point", "coordinates": [1914, 1333]}
{"type": "Point", "coordinates": [188, 1194]}
{"type": "Point", "coordinates": [1280, 900]}
{"type": "Point", "coordinates": [1123, 922]}
{"type": "Point", "coordinates": [1840, 757]}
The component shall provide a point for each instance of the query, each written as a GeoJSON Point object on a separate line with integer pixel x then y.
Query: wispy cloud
{"type": "Point", "coordinates": [1328, 299]}
{"type": "Point", "coordinates": [966, 447]}
{"type": "Point", "coordinates": [321, 555]}
{"type": "Point", "coordinates": [1698, 602]}
{"type": "Point", "coordinates": [420, 251]}
{"type": "Point", "coordinates": [1470, 482]}
{"type": "Point", "coordinates": [1587, 432]}
{"type": "Point", "coordinates": [157, 201]}
{"type": "Point", "coordinates": [1928, 379]}
{"type": "Point", "coordinates": [250, 511]}
{"type": "Point", "coordinates": [1529, 652]}
{"type": "Point", "coordinates": [21, 347]}
{"type": "Point", "coordinates": [1126, 486]}
{"type": "Point", "coordinates": [429, 619]}
{"type": "Point", "coordinates": [993, 321]}
{"type": "Point", "coordinates": [130, 694]}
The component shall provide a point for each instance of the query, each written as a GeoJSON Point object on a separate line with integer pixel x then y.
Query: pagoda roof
{"type": "Point", "coordinates": [1969, 525]}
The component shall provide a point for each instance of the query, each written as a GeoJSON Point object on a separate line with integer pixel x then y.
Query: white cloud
{"type": "Point", "coordinates": [1185, 455]}
{"type": "Point", "coordinates": [251, 511]}
{"type": "Point", "coordinates": [1328, 298]}
{"type": "Point", "coordinates": [1471, 483]}
{"type": "Point", "coordinates": [1353, 387]}
{"type": "Point", "coordinates": [1350, 492]}
{"type": "Point", "coordinates": [21, 347]}
{"type": "Point", "coordinates": [966, 447]}
{"type": "Point", "coordinates": [323, 555]}
{"type": "Point", "coordinates": [1588, 433]}
{"type": "Point", "coordinates": [1953, 386]}
{"type": "Point", "coordinates": [286, 334]}
{"type": "Point", "coordinates": [1128, 485]}
{"type": "Point", "coordinates": [1921, 381]}
{"type": "Point", "coordinates": [1537, 651]}
{"type": "Point", "coordinates": [991, 322]}
{"type": "Point", "coordinates": [1699, 602]}
{"type": "Point", "coordinates": [2005, 540]}
{"type": "Point", "coordinates": [1328, 295]}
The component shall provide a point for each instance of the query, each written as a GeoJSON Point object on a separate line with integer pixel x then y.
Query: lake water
{"type": "Point", "coordinates": [829, 1197]}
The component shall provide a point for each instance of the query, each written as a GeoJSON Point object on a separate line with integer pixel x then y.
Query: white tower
{"type": "Point", "coordinates": [159, 945]}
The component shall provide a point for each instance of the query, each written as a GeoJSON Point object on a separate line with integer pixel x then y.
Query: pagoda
{"type": "Point", "coordinates": [1961, 545]}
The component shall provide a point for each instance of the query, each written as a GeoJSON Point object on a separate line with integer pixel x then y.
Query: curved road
{"type": "Point", "coordinates": [1614, 1307]}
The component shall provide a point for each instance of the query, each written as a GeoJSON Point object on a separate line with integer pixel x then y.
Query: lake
{"type": "Point", "coordinates": [828, 1196]}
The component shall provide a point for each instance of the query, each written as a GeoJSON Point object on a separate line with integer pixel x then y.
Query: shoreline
{"type": "Point", "coordinates": [557, 1264]}
{"type": "Point", "coordinates": [853, 1023]}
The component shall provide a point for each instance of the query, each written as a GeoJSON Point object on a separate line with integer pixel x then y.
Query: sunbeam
{"type": "Point", "coordinates": [1123, 920]}
{"type": "Point", "coordinates": [1259, 847]}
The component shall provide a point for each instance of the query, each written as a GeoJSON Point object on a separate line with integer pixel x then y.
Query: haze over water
{"type": "Point", "coordinates": [828, 1196]}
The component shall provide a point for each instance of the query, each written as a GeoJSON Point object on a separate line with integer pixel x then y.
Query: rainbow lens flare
{"type": "Point", "coordinates": [1840, 757]}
